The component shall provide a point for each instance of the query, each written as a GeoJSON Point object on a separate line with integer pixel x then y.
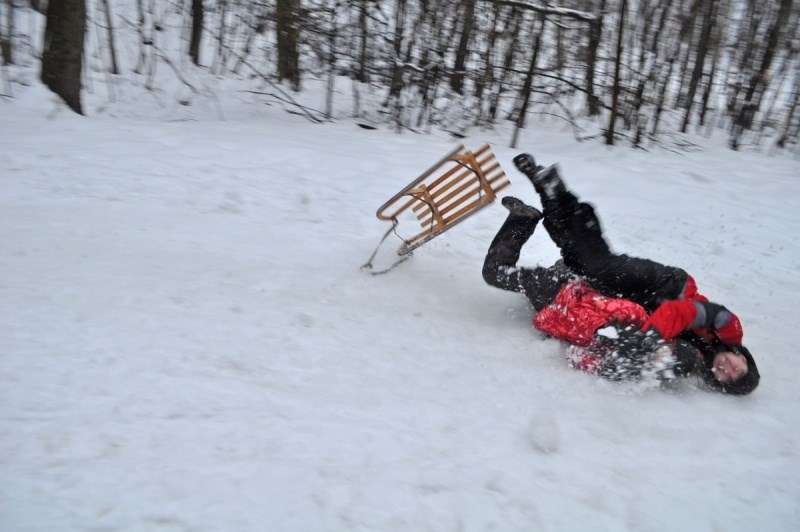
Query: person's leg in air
{"type": "Point", "coordinates": [575, 229]}
{"type": "Point", "coordinates": [538, 284]}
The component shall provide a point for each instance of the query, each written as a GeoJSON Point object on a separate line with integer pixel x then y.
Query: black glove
{"type": "Point", "coordinates": [710, 315]}
{"type": "Point", "coordinates": [719, 319]}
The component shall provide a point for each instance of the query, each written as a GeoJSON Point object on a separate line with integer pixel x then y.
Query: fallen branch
{"type": "Point", "coordinates": [287, 98]}
{"type": "Point", "coordinates": [280, 99]}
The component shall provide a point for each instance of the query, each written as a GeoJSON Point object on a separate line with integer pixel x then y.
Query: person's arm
{"type": "Point", "coordinates": [673, 317]}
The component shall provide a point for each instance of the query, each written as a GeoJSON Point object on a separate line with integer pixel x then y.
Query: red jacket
{"type": "Point", "coordinates": [578, 311]}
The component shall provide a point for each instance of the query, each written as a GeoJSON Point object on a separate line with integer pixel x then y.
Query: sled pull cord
{"type": "Point", "coordinates": [368, 265]}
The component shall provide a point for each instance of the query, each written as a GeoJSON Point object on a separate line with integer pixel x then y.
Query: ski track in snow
{"type": "Point", "coordinates": [187, 343]}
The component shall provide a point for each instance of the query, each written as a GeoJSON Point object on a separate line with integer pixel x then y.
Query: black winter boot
{"type": "Point", "coordinates": [526, 164]}
{"type": "Point", "coordinates": [517, 207]}
{"type": "Point", "coordinates": [546, 181]}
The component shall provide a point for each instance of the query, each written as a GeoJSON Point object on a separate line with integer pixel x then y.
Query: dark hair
{"type": "Point", "coordinates": [741, 386]}
{"type": "Point", "coordinates": [749, 381]}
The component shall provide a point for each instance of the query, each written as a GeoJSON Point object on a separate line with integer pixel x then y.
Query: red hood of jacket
{"type": "Point", "coordinates": [579, 310]}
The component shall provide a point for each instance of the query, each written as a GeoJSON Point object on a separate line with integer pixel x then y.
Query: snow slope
{"type": "Point", "coordinates": [187, 343]}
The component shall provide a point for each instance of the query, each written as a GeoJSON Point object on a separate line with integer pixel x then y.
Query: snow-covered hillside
{"type": "Point", "coordinates": [187, 342]}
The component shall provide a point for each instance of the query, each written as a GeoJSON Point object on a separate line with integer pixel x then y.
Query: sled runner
{"type": "Point", "coordinates": [459, 185]}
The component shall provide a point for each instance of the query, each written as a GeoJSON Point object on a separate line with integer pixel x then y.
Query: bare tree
{"type": "Point", "coordinates": [218, 66]}
{"type": "Point", "coordinates": [7, 35]}
{"type": "Point", "coordinates": [623, 6]}
{"type": "Point", "coordinates": [112, 49]}
{"type": "Point", "coordinates": [40, 6]}
{"type": "Point", "coordinates": [198, 14]}
{"type": "Point", "coordinates": [288, 30]}
{"type": "Point", "coordinates": [790, 113]}
{"type": "Point", "coordinates": [62, 54]}
{"type": "Point", "coordinates": [687, 36]}
{"type": "Point", "coordinates": [485, 78]}
{"type": "Point", "coordinates": [526, 87]}
{"type": "Point", "coordinates": [332, 34]}
{"type": "Point", "coordinates": [717, 45]}
{"type": "Point", "coordinates": [595, 36]}
{"type": "Point", "coordinates": [459, 67]}
{"type": "Point", "coordinates": [143, 39]}
{"type": "Point", "coordinates": [396, 82]}
{"type": "Point", "coordinates": [699, 61]}
{"type": "Point", "coordinates": [363, 26]}
{"type": "Point", "coordinates": [512, 27]}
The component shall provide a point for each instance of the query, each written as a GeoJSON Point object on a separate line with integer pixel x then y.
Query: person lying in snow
{"type": "Point", "coordinates": [661, 325]}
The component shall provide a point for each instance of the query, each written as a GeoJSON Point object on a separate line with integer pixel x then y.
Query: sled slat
{"type": "Point", "coordinates": [468, 195]}
{"type": "Point", "coordinates": [456, 167]}
{"type": "Point", "coordinates": [458, 178]}
{"type": "Point", "coordinates": [462, 187]}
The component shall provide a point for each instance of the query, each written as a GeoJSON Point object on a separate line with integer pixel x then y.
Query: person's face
{"type": "Point", "coordinates": [729, 366]}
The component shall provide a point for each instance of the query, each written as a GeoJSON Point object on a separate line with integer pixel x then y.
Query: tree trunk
{"type": "Point", "coordinates": [288, 41]}
{"type": "Point", "coordinates": [485, 78]}
{"type": "Point", "coordinates": [361, 75]}
{"type": "Point", "coordinates": [595, 35]}
{"type": "Point", "coordinates": [7, 35]}
{"type": "Point", "coordinates": [40, 6]}
{"type": "Point", "coordinates": [62, 53]}
{"type": "Point", "coordinates": [689, 27]}
{"type": "Point", "coordinates": [457, 77]}
{"type": "Point", "coordinates": [745, 41]}
{"type": "Point", "coordinates": [508, 61]}
{"type": "Point", "coordinates": [656, 39]}
{"type": "Point", "coordinates": [662, 96]}
{"type": "Point", "coordinates": [331, 63]}
{"type": "Point", "coordinates": [219, 61]}
{"type": "Point", "coordinates": [623, 6]}
{"type": "Point", "coordinates": [790, 114]}
{"type": "Point", "coordinates": [140, 28]}
{"type": "Point", "coordinates": [252, 31]}
{"type": "Point", "coordinates": [717, 43]}
{"type": "Point", "coordinates": [431, 68]}
{"type": "Point", "coordinates": [198, 14]}
{"type": "Point", "coordinates": [526, 88]}
{"type": "Point", "coordinates": [110, 29]}
{"type": "Point", "coordinates": [699, 61]}
{"type": "Point", "coordinates": [396, 84]}
{"type": "Point", "coordinates": [652, 70]}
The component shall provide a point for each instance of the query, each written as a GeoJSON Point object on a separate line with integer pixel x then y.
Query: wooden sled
{"type": "Point", "coordinates": [459, 185]}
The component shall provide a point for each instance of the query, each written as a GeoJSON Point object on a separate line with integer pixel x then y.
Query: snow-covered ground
{"type": "Point", "coordinates": [187, 342]}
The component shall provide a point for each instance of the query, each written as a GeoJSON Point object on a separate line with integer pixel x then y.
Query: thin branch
{"type": "Point", "coordinates": [288, 98]}
{"type": "Point", "coordinates": [550, 10]}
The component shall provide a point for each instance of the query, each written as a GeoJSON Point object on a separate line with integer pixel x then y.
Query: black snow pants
{"type": "Point", "coordinates": [539, 284]}
{"type": "Point", "coordinates": [575, 229]}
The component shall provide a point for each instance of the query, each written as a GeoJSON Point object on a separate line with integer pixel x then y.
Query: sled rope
{"type": "Point", "coordinates": [393, 229]}
{"type": "Point", "coordinates": [368, 265]}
